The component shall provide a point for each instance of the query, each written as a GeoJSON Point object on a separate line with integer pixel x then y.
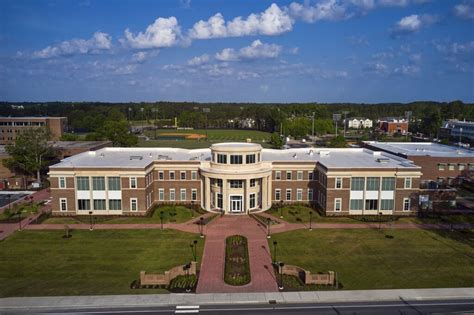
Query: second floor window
{"type": "Point", "coordinates": [82, 183]}
{"type": "Point", "coordinates": [114, 183]}
{"type": "Point", "coordinates": [236, 159]}
{"type": "Point", "coordinates": [133, 182]}
{"type": "Point", "coordinates": [235, 183]}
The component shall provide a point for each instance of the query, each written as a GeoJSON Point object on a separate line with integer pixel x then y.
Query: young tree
{"type": "Point", "coordinates": [276, 141]}
{"type": "Point", "coordinates": [30, 153]}
{"type": "Point", "coordinates": [337, 142]}
{"type": "Point", "coordinates": [118, 133]}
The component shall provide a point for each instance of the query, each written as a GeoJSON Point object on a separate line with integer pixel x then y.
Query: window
{"type": "Point", "coordinates": [194, 175]}
{"type": "Point", "coordinates": [133, 204]}
{"type": "Point", "coordinates": [357, 183]}
{"type": "Point", "coordinates": [62, 182]}
{"type": "Point", "coordinates": [310, 175]}
{"type": "Point", "coordinates": [222, 158]}
{"type": "Point", "coordinates": [99, 204]}
{"type": "Point", "coordinates": [218, 182]}
{"type": "Point", "coordinates": [133, 182]}
{"type": "Point", "coordinates": [451, 167]}
{"type": "Point", "coordinates": [252, 182]}
{"type": "Point", "coordinates": [252, 200]}
{"type": "Point", "coordinates": [356, 204]}
{"type": "Point", "coordinates": [114, 183]}
{"type": "Point", "coordinates": [338, 182]}
{"type": "Point", "coordinates": [235, 183]}
{"type": "Point", "coordinates": [337, 204]}
{"type": "Point", "coordinates": [299, 175]}
{"type": "Point", "coordinates": [471, 167]}
{"type": "Point", "coordinates": [172, 194]}
{"type": "Point", "coordinates": [98, 183]}
{"type": "Point", "coordinates": [462, 167]}
{"type": "Point", "coordinates": [171, 175]}
{"type": "Point", "coordinates": [386, 204]}
{"type": "Point", "coordinates": [63, 204]}
{"type": "Point", "coordinates": [406, 204]}
{"type": "Point", "coordinates": [288, 175]}
{"type": "Point", "coordinates": [236, 159]}
{"type": "Point", "coordinates": [371, 204]}
{"type": "Point", "coordinates": [310, 194]}
{"type": "Point", "coordinates": [277, 194]}
{"type": "Point", "coordinates": [220, 201]}
{"type": "Point", "coordinates": [407, 182]}
{"type": "Point", "coordinates": [161, 175]}
{"type": "Point", "coordinates": [278, 175]}
{"type": "Point", "coordinates": [161, 194]}
{"type": "Point", "coordinates": [183, 175]}
{"type": "Point", "coordinates": [82, 183]}
{"type": "Point", "coordinates": [194, 194]}
{"type": "Point", "coordinates": [388, 184]}
{"type": "Point", "coordinates": [299, 194]}
{"type": "Point", "coordinates": [115, 204]}
{"type": "Point", "coordinates": [373, 183]}
{"type": "Point", "coordinates": [250, 158]}
{"type": "Point", "coordinates": [83, 204]}
{"type": "Point", "coordinates": [288, 194]}
{"type": "Point", "coordinates": [183, 194]}
{"type": "Point", "coordinates": [441, 167]}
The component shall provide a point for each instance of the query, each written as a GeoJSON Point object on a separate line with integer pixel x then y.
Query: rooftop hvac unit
{"type": "Point", "coordinates": [136, 157]}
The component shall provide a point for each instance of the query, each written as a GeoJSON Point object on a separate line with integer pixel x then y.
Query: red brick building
{"type": "Point", "coordinates": [11, 126]}
{"type": "Point", "coordinates": [393, 125]}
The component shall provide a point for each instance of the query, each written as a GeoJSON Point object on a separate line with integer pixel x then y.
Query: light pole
{"type": "Point", "coordinates": [90, 219]}
{"type": "Point", "coordinates": [19, 219]}
{"type": "Point", "coordinates": [310, 219]}
{"type": "Point", "coordinates": [312, 130]}
{"type": "Point", "coordinates": [201, 227]}
{"type": "Point", "coordinates": [345, 122]}
{"type": "Point", "coordinates": [155, 110]}
{"type": "Point", "coordinates": [268, 227]}
{"type": "Point", "coordinates": [141, 110]}
{"type": "Point", "coordinates": [281, 265]}
{"type": "Point", "coordinates": [206, 110]}
{"type": "Point", "coordinates": [275, 243]}
{"type": "Point", "coordinates": [335, 118]}
{"type": "Point", "coordinates": [380, 220]}
{"type": "Point", "coordinates": [161, 219]}
{"type": "Point", "coordinates": [195, 249]}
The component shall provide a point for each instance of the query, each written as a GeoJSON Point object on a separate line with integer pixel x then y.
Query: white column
{"type": "Point", "coordinates": [246, 195]}
{"type": "Point", "coordinates": [264, 193]}
{"type": "Point", "coordinates": [269, 191]}
{"type": "Point", "coordinates": [225, 198]}
{"type": "Point", "coordinates": [207, 195]}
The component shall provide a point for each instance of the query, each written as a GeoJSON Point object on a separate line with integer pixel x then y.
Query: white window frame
{"type": "Point", "coordinates": [133, 201]}
{"type": "Point", "coordinates": [286, 175]}
{"type": "Point", "coordinates": [409, 204]}
{"type": "Point", "coordinates": [277, 175]}
{"type": "Point", "coordinates": [254, 200]}
{"type": "Point", "coordinates": [172, 193]}
{"type": "Point", "coordinates": [194, 194]}
{"type": "Point", "coordinates": [408, 180]}
{"type": "Point", "coordinates": [299, 175]}
{"type": "Point", "coordinates": [161, 175]}
{"type": "Point", "coordinates": [133, 179]}
{"type": "Point", "coordinates": [181, 175]}
{"type": "Point", "coordinates": [310, 194]}
{"type": "Point", "coordinates": [161, 194]}
{"type": "Point", "coordinates": [337, 181]}
{"type": "Point", "coordinates": [279, 194]}
{"type": "Point", "coordinates": [61, 201]}
{"type": "Point", "coordinates": [193, 175]}
{"type": "Point", "coordinates": [62, 179]}
{"type": "Point", "coordinates": [336, 201]}
{"type": "Point", "coordinates": [174, 175]}
{"type": "Point", "coordinates": [181, 191]}
{"type": "Point", "coordinates": [286, 194]}
{"type": "Point", "coordinates": [299, 194]}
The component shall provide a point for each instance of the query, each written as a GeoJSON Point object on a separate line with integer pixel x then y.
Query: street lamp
{"type": "Point", "coordinates": [310, 220]}
{"type": "Point", "coordinates": [281, 265]}
{"type": "Point", "coordinates": [19, 219]}
{"type": "Point", "coordinates": [161, 219]}
{"type": "Point", "coordinates": [380, 220]}
{"type": "Point", "coordinates": [194, 247]}
{"type": "Point", "coordinates": [281, 209]}
{"type": "Point", "coordinates": [201, 227]}
{"type": "Point", "coordinates": [268, 227]}
{"type": "Point", "coordinates": [275, 243]}
{"type": "Point", "coordinates": [90, 218]}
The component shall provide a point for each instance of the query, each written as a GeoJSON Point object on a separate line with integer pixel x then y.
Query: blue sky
{"type": "Point", "coordinates": [237, 51]}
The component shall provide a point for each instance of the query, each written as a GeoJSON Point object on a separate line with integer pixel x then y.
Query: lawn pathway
{"type": "Point", "coordinates": [211, 278]}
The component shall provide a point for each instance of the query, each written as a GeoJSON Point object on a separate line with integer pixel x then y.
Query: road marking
{"type": "Point", "coordinates": [186, 309]}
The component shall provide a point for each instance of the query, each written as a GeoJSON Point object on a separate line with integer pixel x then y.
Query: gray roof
{"type": "Point", "coordinates": [422, 149]}
{"type": "Point", "coordinates": [141, 157]}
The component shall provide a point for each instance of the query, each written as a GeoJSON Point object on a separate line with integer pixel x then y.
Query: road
{"type": "Point", "coordinates": [386, 308]}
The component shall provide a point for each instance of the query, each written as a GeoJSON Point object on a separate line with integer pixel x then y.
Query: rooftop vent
{"type": "Point", "coordinates": [136, 157]}
{"type": "Point", "coordinates": [324, 153]}
{"type": "Point", "coordinates": [311, 152]}
{"type": "Point", "coordinates": [295, 156]}
{"type": "Point", "coordinates": [102, 155]}
{"type": "Point", "coordinates": [150, 155]}
{"type": "Point", "coordinates": [163, 157]}
{"type": "Point", "coordinates": [383, 160]}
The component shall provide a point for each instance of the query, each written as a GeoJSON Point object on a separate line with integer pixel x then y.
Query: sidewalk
{"type": "Point", "coordinates": [150, 300]}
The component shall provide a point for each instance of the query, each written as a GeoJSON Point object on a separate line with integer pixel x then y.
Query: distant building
{"type": "Point", "coordinates": [245, 123]}
{"type": "Point", "coordinates": [391, 125]}
{"type": "Point", "coordinates": [358, 123]}
{"type": "Point", "coordinates": [11, 126]}
{"type": "Point", "coordinates": [456, 129]}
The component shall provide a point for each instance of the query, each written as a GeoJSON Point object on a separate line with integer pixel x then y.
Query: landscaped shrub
{"type": "Point", "coordinates": [183, 283]}
{"type": "Point", "coordinates": [237, 267]}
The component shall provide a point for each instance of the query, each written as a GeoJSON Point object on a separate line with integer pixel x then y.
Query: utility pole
{"type": "Point", "coordinates": [206, 110]}
{"type": "Point", "coordinates": [345, 122]}
{"type": "Point", "coordinates": [155, 111]}
{"type": "Point", "coordinates": [408, 114]}
{"type": "Point", "coordinates": [312, 133]}
{"type": "Point", "coordinates": [336, 117]}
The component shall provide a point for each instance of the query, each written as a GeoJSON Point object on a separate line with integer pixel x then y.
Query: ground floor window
{"type": "Point", "coordinates": [193, 194]}
{"type": "Point", "coordinates": [299, 194]}
{"type": "Point", "coordinates": [288, 194]}
{"type": "Point", "coordinates": [252, 200]}
{"type": "Point", "coordinates": [115, 204]}
{"type": "Point", "coordinates": [310, 194]}
{"type": "Point", "coordinates": [371, 204]}
{"type": "Point", "coordinates": [220, 201]}
{"type": "Point", "coordinates": [63, 203]}
{"type": "Point", "coordinates": [406, 204]}
{"type": "Point", "coordinates": [161, 194]}
{"type": "Point", "coordinates": [172, 194]}
{"type": "Point", "coordinates": [356, 204]}
{"type": "Point", "coordinates": [337, 204]}
{"type": "Point", "coordinates": [277, 194]}
{"type": "Point", "coordinates": [99, 204]}
{"type": "Point", "coordinates": [183, 195]}
{"type": "Point", "coordinates": [83, 204]}
{"type": "Point", "coordinates": [133, 204]}
{"type": "Point", "coordinates": [386, 204]}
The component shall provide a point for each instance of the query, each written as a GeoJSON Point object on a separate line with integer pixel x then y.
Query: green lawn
{"type": "Point", "coordinates": [300, 214]}
{"type": "Point", "coordinates": [171, 214]}
{"type": "Point", "coordinates": [39, 263]}
{"type": "Point", "coordinates": [219, 134]}
{"type": "Point", "coordinates": [367, 259]}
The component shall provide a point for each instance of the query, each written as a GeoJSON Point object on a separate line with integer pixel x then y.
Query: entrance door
{"type": "Point", "coordinates": [236, 204]}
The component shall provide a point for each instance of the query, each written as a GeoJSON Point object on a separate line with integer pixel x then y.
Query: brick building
{"type": "Point", "coordinates": [393, 125]}
{"type": "Point", "coordinates": [234, 178]}
{"type": "Point", "coordinates": [440, 163]}
{"type": "Point", "coordinates": [11, 126]}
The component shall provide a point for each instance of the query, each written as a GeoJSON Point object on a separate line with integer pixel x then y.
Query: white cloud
{"type": "Point", "coordinates": [294, 50]}
{"type": "Point", "coordinates": [273, 21]}
{"type": "Point", "coordinates": [185, 4]}
{"type": "Point", "coordinates": [330, 10]}
{"type": "Point", "coordinates": [164, 32]}
{"type": "Point", "coordinates": [400, 3]}
{"type": "Point", "coordinates": [256, 50]}
{"type": "Point", "coordinates": [199, 60]}
{"type": "Point", "coordinates": [142, 56]}
{"type": "Point", "coordinates": [99, 41]}
{"type": "Point", "coordinates": [407, 70]}
{"type": "Point", "coordinates": [412, 24]}
{"type": "Point", "coordinates": [456, 48]}
{"type": "Point", "coordinates": [264, 88]}
{"type": "Point", "coordinates": [465, 10]}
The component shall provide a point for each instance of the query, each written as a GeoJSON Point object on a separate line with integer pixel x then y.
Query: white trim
{"type": "Point", "coordinates": [174, 194]}
{"type": "Point", "coordinates": [130, 182]}
{"type": "Point", "coordinates": [136, 204]}
{"type": "Point", "coordinates": [181, 194]}
{"type": "Point", "coordinates": [61, 203]}
{"type": "Point", "coordinates": [241, 203]}
{"type": "Point", "coordinates": [409, 204]}
{"type": "Point", "coordinates": [299, 194]}
{"type": "Point", "coordinates": [279, 192]}
{"type": "Point", "coordinates": [340, 204]}
{"type": "Point", "coordinates": [59, 182]}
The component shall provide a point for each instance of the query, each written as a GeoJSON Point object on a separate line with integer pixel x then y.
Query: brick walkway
{"type": "Point", "coordinates": [211, 279]}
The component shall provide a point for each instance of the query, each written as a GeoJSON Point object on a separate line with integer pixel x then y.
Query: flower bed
{"type": "Point", "coordinates": [237, 268]}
